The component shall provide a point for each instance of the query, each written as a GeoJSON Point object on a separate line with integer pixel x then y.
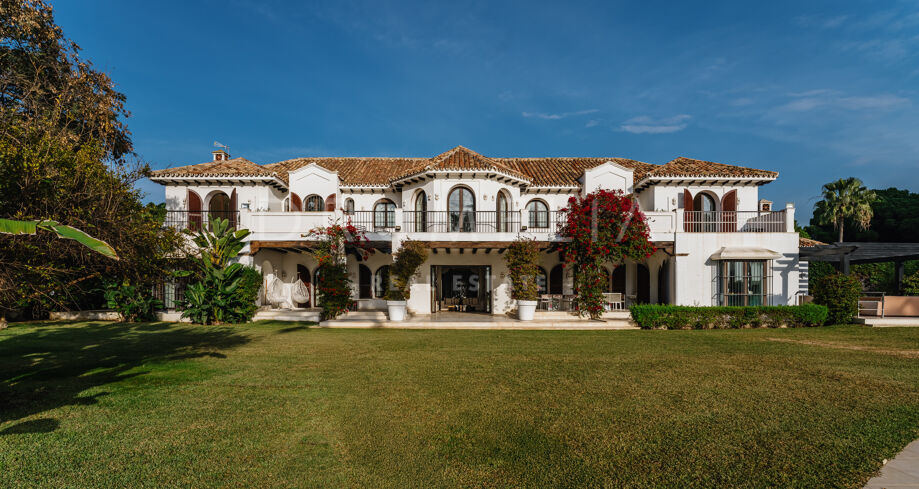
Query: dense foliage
{"type": "Point", "coordinates": [604, 227]}
{"type": "Point", "coordinates": [839, 293]}
{"type": "Point", "coordinates": [224, 291]}
{"type": "Point", "coordinates": [894, 218]}
{"type": "Point", "coordinates": [135, 304]}
{"type": "Point", "coordinates": [911, 284]}
{"type": "Point", "coordinates": [408, 260]}
{"type": "Point", "coordinates": [332, 244]}
{"type": "Point", "coordinates": [522, 259]}
{"type": "Point", "coordinates": [657, 316]}
{"type": "Point", "coordinates": [66, 156]}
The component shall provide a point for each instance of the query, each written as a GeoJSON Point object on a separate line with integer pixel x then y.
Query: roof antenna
{"type": "Point", "coordinates": [222, 146]}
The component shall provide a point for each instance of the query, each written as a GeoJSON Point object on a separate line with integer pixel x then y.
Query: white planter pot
{"type": "Point", "coordinates": [396, 310]}
{"type": "Point", "coordinates": [526, 310]}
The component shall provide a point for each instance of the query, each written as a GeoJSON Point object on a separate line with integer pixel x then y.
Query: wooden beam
{"type": "Point", "coordinates": [487, 250]}
{"type": "Point", "coordinates": [447, 250]}
{"type": "Point", "coordinates": [501, 250]}
{"type": "Point", "coordinates": [461, 250]}
{"type": "Point", "coordinates": [474, 250]}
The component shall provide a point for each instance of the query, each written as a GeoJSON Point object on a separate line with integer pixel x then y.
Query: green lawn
{"type": "Point", "coordinates": [283, 405]}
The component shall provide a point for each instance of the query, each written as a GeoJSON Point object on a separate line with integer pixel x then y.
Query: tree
{"type": "Point", "coordinates": [522, 259]}
{"type": "Point", "coordinates": [407, 261]}
{"type": "Point", "coordinates": [603, 227]}
{"type": "Point", "coordinates": [845, 199]}
{"type": "Point", "coordinates": [66, 156]}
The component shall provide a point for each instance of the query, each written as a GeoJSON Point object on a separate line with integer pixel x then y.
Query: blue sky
{"type": "Point", "coordinates": [816, 90]}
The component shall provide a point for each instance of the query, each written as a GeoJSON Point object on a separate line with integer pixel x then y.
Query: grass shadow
{"type": "Point", "coordinates": [49, 366]}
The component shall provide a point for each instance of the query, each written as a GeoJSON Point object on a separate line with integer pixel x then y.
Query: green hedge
{"type": "Point", "coordinates": [654, 316]}
{"type": "Point", "coordinates": [839, 293]}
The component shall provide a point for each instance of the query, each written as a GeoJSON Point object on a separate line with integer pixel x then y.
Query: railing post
{"type": "Point", "coordinates": [398, 220]}
{"type": "Point", "coordinates": [789, 217]}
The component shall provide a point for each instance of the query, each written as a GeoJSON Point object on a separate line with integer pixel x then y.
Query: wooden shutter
{"type": "Point", "coordinates": [194, 210]}
{"type": "Point", "coordinates": [330, 203]}
{"type": "Point", "coordinates": [729, 212]}
{"type": "Point", "coordinates": [232, 209]}
{"type": "Point", "coordinates": [687, 211]}
{"type": "Point", "coordinates": [295, 205]}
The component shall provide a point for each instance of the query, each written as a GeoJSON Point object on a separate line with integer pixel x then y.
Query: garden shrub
{"type": "Point", "coordinates": [839, 293]}
{"type": "Point", "coordinates": [334, 284]}
{"type": "Point", "coordinates": [408, 260]}
{"type": "Point", "coordinates": [133, 303]}
{"type": "Point", "coordinates": [522, 259]}
{"type": "Point", "coordinates": [911, 284]}
{"type": "Point", "coordinates": [660, 316]}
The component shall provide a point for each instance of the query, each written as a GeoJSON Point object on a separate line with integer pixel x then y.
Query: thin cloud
{"type": "Point", "coordinates": [648, 125]}
{"type": "Point", "coordinates": [554, 117]}
{"type": "Point", "coordinates": [827, 99]}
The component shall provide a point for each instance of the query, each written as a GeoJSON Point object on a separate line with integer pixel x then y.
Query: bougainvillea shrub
{"type": "Point", "coordinates": [604, 227]}
{"type": "Point", "coordinates": [333, 242]}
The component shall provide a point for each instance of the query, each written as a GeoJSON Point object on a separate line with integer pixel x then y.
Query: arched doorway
{"type": "Point", "coordinates": [303, 274]}
{"type": "Point", "coordinates": [539, 214]}
{"type": "Point", "coordinates": [643, 284]}
{"type": "Point", "coordinates": [421, 212]}
{"type": "Point", "coordinates": [461, 207]}
{"type": "Point", "coordinates": [364, 282]}
{"type": "Point", "coordinates": [556, 279]}
{"type": "Point", "coordinates": [221, 206]}
{"type": "Point", "coordinates": [381, 282]}
{"type": "Point", "coordinates": [502, 213]}
{"type": "Point", "coordinates": [617, 283]}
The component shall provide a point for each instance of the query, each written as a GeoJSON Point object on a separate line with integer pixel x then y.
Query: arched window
{"type": "Point", "coordinates": [349, 207]}
{"type": "Point", "coordinates": [313, 203]}
{"type": "Point", "coordinates": [502, 213]}
{"type": "Point", "coordinates": [556, 279]}
{"type": "Point", "coordinates": [539, 214]}
{"type": "Point", "coordinates": [541, 281]}
{"type": "Point", "coordinates": [421, 212]}
{"type": "Point", "coordinates": [219, 204]}
{"type": "Point", "coordinates": [706, 215]}
{"type": "Point", "coordinates": [381, 282]}
{"type": "Point", "coordinates": [364, 282]}
{"type": "Point", "coordinates": [461, 207]}
{"type": "Point", "coordinates": [285, 206]}
{"type": "Point", "coordinates": [384, 214]}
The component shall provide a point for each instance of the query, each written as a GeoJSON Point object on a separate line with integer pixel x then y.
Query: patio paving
{"type": "Point", "coordinates": [899, 473]}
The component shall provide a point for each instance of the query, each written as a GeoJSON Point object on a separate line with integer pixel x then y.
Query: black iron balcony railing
{"type": "Point", "coordinates": [373, 221]}
{"type": "Point", "coordinates": [734, 221]}
{"type": "Point", "coordinates": [194, 220]}
{"type": "Point", "coordinates": [545, 221]}
{"type": "Point", "coordinates": [461, 222]}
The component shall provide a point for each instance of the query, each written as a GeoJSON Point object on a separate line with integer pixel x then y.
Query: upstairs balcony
{"type": "Point", "coordinates": [478, 225]}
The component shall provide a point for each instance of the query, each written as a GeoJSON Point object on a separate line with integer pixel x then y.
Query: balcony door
{"type": "Point", "coordinates": [461, 207]}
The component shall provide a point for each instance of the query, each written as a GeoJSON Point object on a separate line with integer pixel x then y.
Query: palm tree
{"type": "Point", "coordinates": [846, 198]}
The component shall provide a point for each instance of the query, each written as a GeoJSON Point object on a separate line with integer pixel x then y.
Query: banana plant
{"type": "Point", "coordinates": [9, 226]}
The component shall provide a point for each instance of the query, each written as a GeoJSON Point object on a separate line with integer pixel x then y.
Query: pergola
{"type": "Point", "coordinates": [843, 255]}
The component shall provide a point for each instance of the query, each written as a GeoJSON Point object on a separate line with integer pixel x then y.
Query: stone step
{"type": "Point", "coordinates": [482, 325]}
{"type": "Point", "coordinates": [287, 315]}
{"type": "Point", "coordinates": [366, 315]}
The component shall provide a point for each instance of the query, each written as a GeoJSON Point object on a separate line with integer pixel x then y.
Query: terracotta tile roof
{"type": "Point", "coordinates": [460, 158]}
{"type": "Point", "coordinates": [542, 172]}
{"type": "Point", "coordinates": [352, 171]}
{"type": "Point", "coordinates": [688, 167]}
{"type": "Point", "coordinates": [545, 172]}
{"type": "Point", "coordinates": [809, 243]}
{"type": "Point", "coordinates": [236, 167]}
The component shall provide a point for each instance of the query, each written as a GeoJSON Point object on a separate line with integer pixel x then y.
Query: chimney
{"type": "Point", "coordinates": [765, 205]}
{"type": "Point", "coordinates": [220, 155]}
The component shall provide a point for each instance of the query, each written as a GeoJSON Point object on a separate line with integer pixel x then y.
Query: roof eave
{"type": "Point", "coordinates": [270, 180]}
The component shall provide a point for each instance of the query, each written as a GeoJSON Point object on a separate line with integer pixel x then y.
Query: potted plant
{"type": "Point", "coordinates": [408, 260]}
{"type": "Point", "coordinates": [522, 259]}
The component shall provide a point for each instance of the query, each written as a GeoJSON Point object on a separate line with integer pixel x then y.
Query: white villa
{"type": "Point", "coordinates": [718, 242]}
